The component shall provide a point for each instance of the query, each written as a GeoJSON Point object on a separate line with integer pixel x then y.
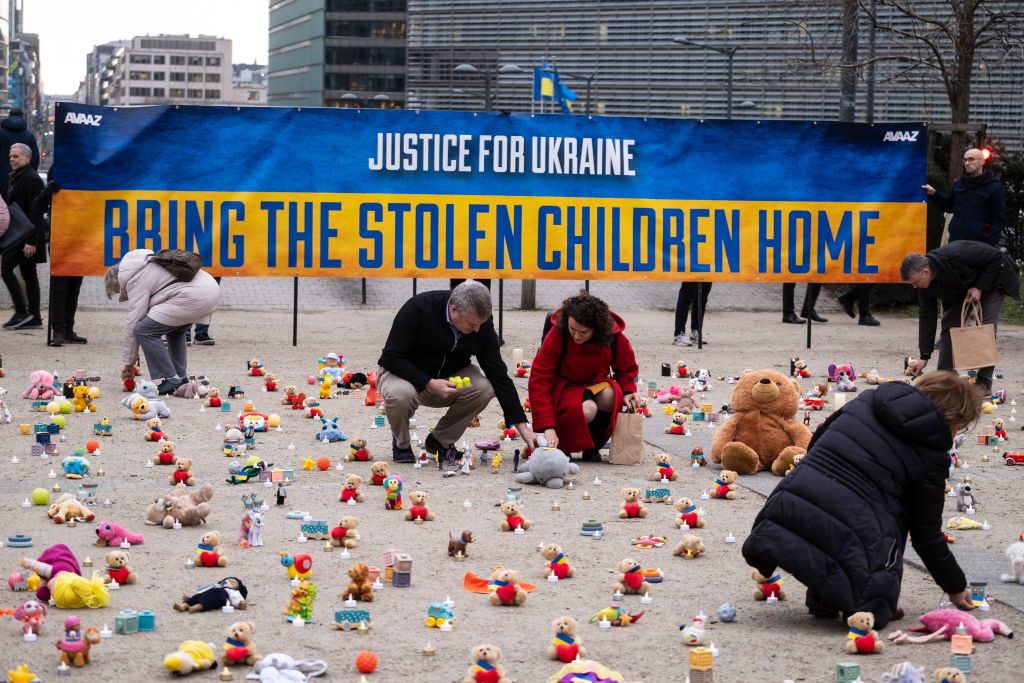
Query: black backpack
{"type": "Point", "coordinates": [183, 265]}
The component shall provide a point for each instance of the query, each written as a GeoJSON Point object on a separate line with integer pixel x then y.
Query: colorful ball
{"type": "Point", "coordinates": [92, 445]}
{"type": "Point", "coordinates": [40, 497]}
{"type": "Point", "coordinates": [727, 612]}
{"type": "Point", "coordinates": [274, 421]}
{"type": "Point", "coordinates": [59, 420]}
{"type": "Point", "coordinates": [66, 407]}
{"type": "Point", "coordinates": [987, 407]}
{"type": "Point", "coordinates": [366, 662]}
{"type": "Point", "coordinates": [311, 379]}
{"type": "Point", "coordinates": [323, 464]}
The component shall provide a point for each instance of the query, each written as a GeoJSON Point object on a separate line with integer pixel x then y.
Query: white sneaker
{"type": "Point", "coordinates": [693, 338]}
{"type": "Point", "coordinates": [682, 340]}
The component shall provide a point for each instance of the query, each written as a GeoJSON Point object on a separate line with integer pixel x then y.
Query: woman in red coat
{"type": "Point", "coordinates": [583, 374]}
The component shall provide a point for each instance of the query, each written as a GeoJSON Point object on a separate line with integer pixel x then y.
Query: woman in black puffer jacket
{"type": "Point", "coordinates": [874, 471]}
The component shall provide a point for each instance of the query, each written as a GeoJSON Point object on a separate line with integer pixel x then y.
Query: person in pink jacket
{"type": "Point", "coordinates": [159, 306]}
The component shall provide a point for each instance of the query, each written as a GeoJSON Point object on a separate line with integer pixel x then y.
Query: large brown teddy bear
{"type": "Point", "coordinates": [190, 508]}
{"type": "Point", "coordinates": [761, 434]}
{"type": "Point", "coordinates": [359, 587]}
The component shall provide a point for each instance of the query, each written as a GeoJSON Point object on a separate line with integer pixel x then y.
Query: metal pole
{"type": "Point", "coordinates": [501, 311]}
{"type": "Point", "coordinates": [414, 286]}
{"type": "Point", "coordinates": [586, 285]}
{"type": "Point", "coordinates": [364, 291]}
{"type": "Point", "coordinates": [809, 323]}
{"type": "Point", "coordinates": [295, 311]}
{"type": "Point", "coordinates": [700, 310]}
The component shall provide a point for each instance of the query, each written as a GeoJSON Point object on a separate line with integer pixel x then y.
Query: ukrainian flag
{"type": "Point", "coordinates": [544, 83]}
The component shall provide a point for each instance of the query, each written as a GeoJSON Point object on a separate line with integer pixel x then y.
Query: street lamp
{"type": "Point", "coordinates": [362, 101]}
{"type": "Point", "coordinates": [589, 79]}
{"type": "Point", "coordinates": [729, 52]}
{"type": "Point", "coordinates": [487, 74]}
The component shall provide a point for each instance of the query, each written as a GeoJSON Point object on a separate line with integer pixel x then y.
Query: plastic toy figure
{"type": "Point", "coordinates": [74, 648]}
{"type": "Point", "coordinates": [282, 492]}
{"type": "Point", "coordinates": [301, 603]}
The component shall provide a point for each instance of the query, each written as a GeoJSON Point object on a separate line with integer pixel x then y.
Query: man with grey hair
{"type": "Point", "coordinates": [957, 272]}
{"type": "Point", "coordinates": [433, 337]}
{"type": "Point", "coordinates": [24, 187]}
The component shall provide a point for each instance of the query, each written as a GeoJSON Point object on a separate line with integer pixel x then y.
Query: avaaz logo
{"type": "Point", "coordinates": [80, 118]}
{"type": "Point", "coordinates": [901, 136]}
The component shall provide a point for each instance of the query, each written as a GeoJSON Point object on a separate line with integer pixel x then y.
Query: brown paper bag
{"type": "Point", "coordinates": [627, 440]}
{"type": "Point", "coordinates": [974, 346]}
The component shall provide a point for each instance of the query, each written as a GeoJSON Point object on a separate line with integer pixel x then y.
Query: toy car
{"type": "Point", "coordinates": [348, 619]}
{"type": "Point", "coordinates": [439, 614]}
{"type": "Point", "coordinates": [1013, 458]}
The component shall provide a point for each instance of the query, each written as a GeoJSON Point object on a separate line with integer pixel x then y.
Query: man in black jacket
{"type": "Point", "coordinates": [25, 185]}
{"type": "Point", "coordinates": [433, 338]}
{"type": "Point", "coordinates": [960, 271]}
{"type": "Point", "coordinates": [976, 201]}
{"type": "Point", "coordinates": [14, 129]}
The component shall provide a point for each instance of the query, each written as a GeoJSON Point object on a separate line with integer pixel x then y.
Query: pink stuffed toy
{"type": "Point", "coordinates": [113, 534]}
{"type": "Point", "coordinates": [31, 614]}
{"type": "Point", "coordinates": [40, 386]}
{"type": "Point", "coordinates": [941, 624]}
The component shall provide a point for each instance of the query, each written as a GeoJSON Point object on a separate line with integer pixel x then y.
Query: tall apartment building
{"type": "Point", "coordinates": [250, 84]}
{"type": "Point", "coordinates": [165, 69]}
{"type": "Point", "coordinates": [91, 87]}
{"type": "Point", "coordinates": [337, 53]}
{"type": "Point", "coordinates": [5, 32]}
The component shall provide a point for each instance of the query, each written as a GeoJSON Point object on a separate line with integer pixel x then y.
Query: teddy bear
{"type": "Point", "coordinates": [485, 668]}
{"type": "Point", "coordinates": [701, 381]}
{"type": "Point", "coordinates": [345, 533]}
{"type": "Point", "coordinates": [725, 486]}
{"type": "Point", "coordinates": [154, 430]}
{"type": "Point", "coordinates": [181, 474]}
{"type": "Point", "coordinates": [83, 398]}
{"type": "Point", "coordinates": [290, 391]}
{"type": "Point", "coordinates": [689, 547]}
{"type": "Point", "coordinates": [350, 490]}
{"type": "Point", "coordinates": [189, 508]}
{"type": "Point", "coordinates": [566, 645]}
{"type": "Point", "coordinates": [513, 520]}
{"type": "Point", "coordinates": [1015, 554]}
{"type": "Point", "coordinates": [548, 467]}
{"type": "Point", "coordinates": [238, 647]}
{"type": "Point", "coordinates": [762, 432]}
{"type": "Point", "coordinates": [213, 397]}
{"type": "Point", "coordinates": [663, 463]}
{"type": "Point", "coordinates": [697, 457]}
{"type": "Point", "coordinates": [558, 563]}
{"type": "Point", "coordinates": [685, 402]}
{"type": "Point", "coordinates": [68, 507]}
{"type": "Point", "coordinates": [861, 638]}
{"type": "Point", "coordinates": [209, 552]}
{"type": "Point", "coordinates": [359, 587]}
{"type": "Point", "coordinates": [418, 508]}
{"type": "Point", "coordinates": [255, 367]}
{"type": "Point", "coordinates": [798, 368]}
{"type": "Point", "coordinates": [631, 579]}
{"type": "Point", "coordinates": [113, 534]}
{"type": "Point", "coordinates": [632, 507]}
{"type": "Point", "coordinates": [214, 596]}
{"type": "Point", "coordinates": [681, 370]}
{"type": "Point", "coordinates": [688, 514]}
{"type": "Point", "coordinates": [270, 382]}
{"type": "Point", "coordinates": [118, 568]}
{"type": "Point", "coordinates": [949, 674]}
{"type": "Point", "coordinates": [148, 391]}
{"type": "Point", "coordinates": [507, 590]}
{"type": "Point", "coordinates": [311, 407]}
{"type": "Point", "coordinates": [678, 426]}
{"type": "Point", "coordinates": [796, 461]}
{"type": "Point", "coordinates": [767, 587]}
{"type": "Point", "coordinates": [138, 405]}
{"type": "Point", "coordinates": [378, 473]}
{"type": "Point", "coordinates": [40, 386]}
{"type": "Point", "coordinates": [999, 429]}
{"type": "Point", "coordinates": [357, 452]}
{"type": "Point", "coordinates": [166, 455]}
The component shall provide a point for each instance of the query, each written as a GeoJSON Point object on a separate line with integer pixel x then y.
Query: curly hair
{"type": "Point", "coordinates": [588, 311]}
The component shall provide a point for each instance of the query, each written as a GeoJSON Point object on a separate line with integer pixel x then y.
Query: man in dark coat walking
{"type": "Point", "coordinates": [25, 186]}
{"type": "Point", "coordinates": [976, 201]}
{"type": "Point", "coordinates": [874, 471]}
{"type": "Point", "coordinates": [14, 129]}
{"type": "Point", "coordinates": [960, 271]}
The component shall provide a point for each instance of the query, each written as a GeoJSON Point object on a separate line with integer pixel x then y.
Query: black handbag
{"type": "Point", "coordinates": [18, 231]}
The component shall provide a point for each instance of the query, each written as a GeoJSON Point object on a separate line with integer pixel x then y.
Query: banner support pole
{"type": "Point", "coordinates": [501, 312]}
{"type": "Point", "coordinates": [364, 291]}
{"type": "Point", "coordinates": [809, 323]}
{"type": "Point", "coordinates": [295, 311]}
{"type": "Point", "coordinates": [700, 316]}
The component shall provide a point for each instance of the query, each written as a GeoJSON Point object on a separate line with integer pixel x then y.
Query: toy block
{"type": "Point", "coordinates": [37, 449]}
{"type": "Point", "coordinates": [992, 441]}
{"type": "Point", "coordinates": [712, 416]}
{"type": "Point", "coordinates": [700, 659]}
{"type": "Point", "coordinates": [126, 622]}
{"type": "Point", "coordinates": [847, 672]}
{"type": "Point", "coordinates": [962, 662]}
{"type": "Point", "coordinates": [378, 421]}
{"type": "Point", "coordinates": [701, 676]}
{"type": "Point", "coordinates": [401, 579]}
{"type": "Point", "coordinates": [706, 407]}
{"type": "Point", "coordinates": [50, 448]}
{"type": "Point", "coordinates": [53, 428]}
{"type": "Point", "coordinates": [389, 573]}
{"type": "Point", "coordinates": [276, 475]}
{"type": "Point", "coordinates": [288, 474]}
{"type": "Point", "coordinates": [697, 416]}
{"type": "Point", "coordinates": [388, 557]}
{"type": "Point", "coordinates": [264, 476]}
{"type": "Point", "coordinates": [43, 437]}
{"type": "Point", "coordinates": [39, 428]}
{"type": "Point", "coordinates": [225, 407]}
{"type": "Point", "coordinates": [403, 563]}
{"type": "Point", "coordinates": [147, 621]}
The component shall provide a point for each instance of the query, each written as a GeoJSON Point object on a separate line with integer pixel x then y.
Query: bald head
{"type": "Point", "coordinates": [974, 162]}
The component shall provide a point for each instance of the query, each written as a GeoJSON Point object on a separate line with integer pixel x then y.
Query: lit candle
{"type": "Point", "coordinates": [105, 632]}
{"type": "Point", "coordinates": [646, 599]}
{"type": "Point", "coordinates": [552, 578]}
{"type": "Point", "coordinates": [350, 601]}
{"type": "Point", "coordinates": [730, 538]}
{"type": "Point", "coordinates": [467, 504]}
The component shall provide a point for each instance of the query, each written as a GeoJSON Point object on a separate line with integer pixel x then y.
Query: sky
{"type": "Point", "coordinates": [68, 29]}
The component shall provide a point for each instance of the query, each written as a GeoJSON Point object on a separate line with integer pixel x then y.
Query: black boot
{"type": "Point", "coordinates": [598, 429]}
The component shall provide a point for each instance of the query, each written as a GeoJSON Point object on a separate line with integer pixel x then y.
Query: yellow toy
{"type": "Point", "coordinates": [495, 462]}
{"type": "Point", "coordinates": [84, 396]}
{"type": "Point", "coordinates": [192, 655]}
{"type": "Point", "coordinates": [962, 523]}
{"type": "Point", "coordinates": [459, 382]}
{"type": "Point", "coordinates": [325, 386]}
{"type": "Point", "coordinates": [21, 675]}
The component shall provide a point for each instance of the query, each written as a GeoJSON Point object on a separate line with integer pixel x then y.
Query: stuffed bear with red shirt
{"type": "Point", "coordinates": [631, 579]}
{"type": "Point", "coordinates": [118, 568]}
{"type": "Point", "coordinates": [350, 491]}
{"type": "Point", "coordinates": [632, 508]}
{"type": "Point", "coordinates": [418, 508]}
{"type": "Point", "coordinates": [181, 474]}
{"type": "Point", "coordinates": [663, 463]}
{"type": "Point", "coordinates": [861, 638]}
{"type": "Point", "coordinates": [345, 533]}
{"type": "Point", "coordinates": [506, 588]}
{"type": "Point", "coordinates": [378, 473]}
{"type": "Point", "coordinates": [166, 455]}
{"type": "Point", "coordinates": [513, 520]}
{"type": "Point", "coordinates": [558, 563]}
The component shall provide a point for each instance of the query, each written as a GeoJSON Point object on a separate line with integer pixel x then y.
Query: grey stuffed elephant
{"type": "Point", "coordinates": [547, 466]}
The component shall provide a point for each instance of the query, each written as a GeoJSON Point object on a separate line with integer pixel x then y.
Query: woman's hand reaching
{"type": "Point", "coordinates": [551, 437]}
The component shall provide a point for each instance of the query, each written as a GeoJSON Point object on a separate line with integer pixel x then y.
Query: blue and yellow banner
{"type": "Point", "coordinates": [388, 193]}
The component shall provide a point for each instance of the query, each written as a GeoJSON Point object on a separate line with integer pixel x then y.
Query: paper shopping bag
{"type": "Point", "coordinates": [627, 440]}
{"type": "Point", "coordinates": [974, 346]}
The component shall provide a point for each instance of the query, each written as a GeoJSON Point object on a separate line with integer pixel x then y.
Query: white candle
{"type": "Point", "coordinates": [646, 599]}
{"type": "Point", "coordinates": [517, 356]}
{"type": "Point", "coordinates": [552, 578]}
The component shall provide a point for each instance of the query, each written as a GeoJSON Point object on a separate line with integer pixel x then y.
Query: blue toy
{"type": "Point", "coordinates": [727, 612]}
{"type": "Point", "coordinates": [330, 431]}
{"type": "Point", "coordinates": [75, 467]}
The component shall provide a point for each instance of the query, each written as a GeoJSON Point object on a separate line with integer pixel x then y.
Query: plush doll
{"type": "Point", "coordinates": [631, 578]}
{"type": "Point", "coordinates": [949, 674]}
{"type": "Point", "coordinates": [694, 633]}
{"type": "Point", "coordinates": [148, 390]}
{"type": "Point", "coordinates": [312, 408]}
{"type": "Point", "coordinates": [725, 486]}
{"type": "Point", "coordinates": [329, 432]}
{"type": "Point", "coordinates": [798, 368]}
{"type": "Point", "coordinates": [762, 432]}
{"type": "Point", "coordinates": [513, 520]}
{"type": "Point", "coordinates": [166, 455]}
{"type": "Point", "coordinates": [270, 382]}
{"type": "Point", "coordinates": [862, 639]}
{"type": "Point", "coordinates": [393, 493]}
{"type": "Point", "coordinates": [357, 452]}
{"type": "Point", "coordinates": [255, 367]}
{"type": "Point", "coordinates": [209, 552]}
{"type": "Point", "coordinates": [966, 498]}
{"type": "Point", "coordinates": [32, 615]}
{"type": "Point", "coordinates": [212, 597]}
{"type": "Point", "coordinates": [418, 508]}
{"type": "Point", "coordinates": [688, 514]}
{"type": "Point", "coordinates": [616, 616]}
{"type": "Point", "coordinates": [181, 474]}
{"type": "Point", "coordinates": [213, 397]}
{"type": "Point", "coordinates": [681, 371]}
{"type": "Point", "coordinates": [941, 624]}
{"type": "Point", "coordinates": [118, 568]}
{"type": "Point", "coordinates": [690, 547]}
{"type": "Point", "coordinates": [548, 467]}
{"type": "Point", "coordinates": [663, 462]}
{"type": "Point", "coordinates": [154, 430]}
{"type": "Point", "coordinates": [506, 589]}
{"type": "Point", "coordinates": [188, 508]}
{"type": "Point", "coordinates": [326, 386]}
{"type": "Point", "coordinates": [1015, 554]}
{"type": "Point", "coordinates": [523, 368]}
{"type": "Point", "coordinates": [697, 456]}
{"type": "Point", "coordinates": [250, 533]}
{"type": "Point", "coordinates": [128, 378]}
{"type": "Point", "coordinates": [66, 507]}
{"type": "Point", "coordinates": [378, 473]}
{"type": "Point", "coordinates": [457, 546]}
{"type": "Point", "coordinates": [558, 563]}
{"type": "Point", "coordinates": [844, 377]}
{"type": "Point", "coordinates": [678, 426]}
{"type": "Point", "coordinates": [632, 507]}
{"type": "Point", "coordinates": [642, 409]}
{"type": "Point", "coordinates": [75, 467]}
{"type": "Point", "coordinates": [84, 396]}
{"type": "Point", "coordinates": [999, 429]}
{"type": "Point", "coordinates": [238, 647]}
{"type": "Point", "coordinates": [485, 668]}
{"type": "Point", "coordinates": [359, 587]}
{"type": "Point", "coordinates": [815, 397]}
{"type": "Point", "coordinates": [191, 655]}
{"type": "Point", "coordinates": [669, 395]}
{"type": "Point", "coordinates": [506, 432]}
{"type": "Point", "coordinates": [344, 535]}
{"type": "Point", "coordinates": [350, 490]}
{"type": "Point", "coordinates": [40, 386]}
{"type": "Point", "coordinates": [767, 587]}
{"type": "Point", "coordinates": [566, 645]}
{"type": "Point", "coordinates": [64, 582]}
{"type": "Point", "coordinates": [701, 381]}
{"type": "Point", "coordinates": [113, 535]}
